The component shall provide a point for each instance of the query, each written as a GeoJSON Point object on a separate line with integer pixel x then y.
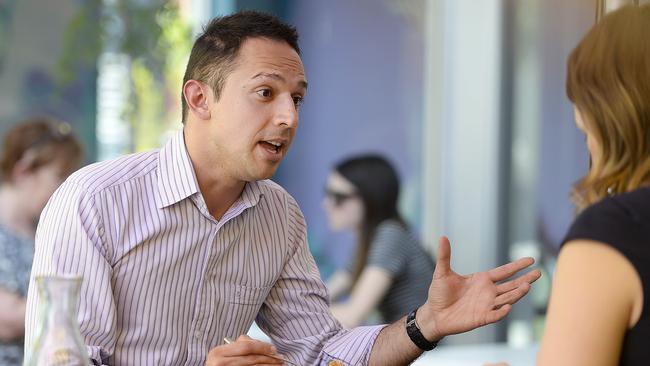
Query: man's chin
{"type": "Point", "coordinates": [266, 173]}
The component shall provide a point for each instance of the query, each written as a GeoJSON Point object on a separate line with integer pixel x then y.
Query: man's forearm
{"type": "Point", "coordinates": [393, 346]}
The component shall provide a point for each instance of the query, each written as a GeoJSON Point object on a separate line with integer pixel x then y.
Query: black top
{"type": "Point", "coordinates": [623, 221]}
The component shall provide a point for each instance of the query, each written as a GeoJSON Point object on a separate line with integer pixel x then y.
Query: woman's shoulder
{"type": "Point", "coordinates": [392, 235]}
{"type": "Point", "coordinates": [621, 220]}
{"type": "Point", "coordinates": [391, 225]}
{"type": "Point", "coordinates": [392, 230]}
{"type": "Point", "coordinates": [630, 208]}
{"type": "Point", "coordinates": [636, 204]}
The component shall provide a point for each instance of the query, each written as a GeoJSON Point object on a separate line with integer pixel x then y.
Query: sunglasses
{"type": "Point", "coordinates": [339, 197]}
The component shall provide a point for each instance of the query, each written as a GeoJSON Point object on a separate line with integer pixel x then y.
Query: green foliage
{"type": "Point", "coordinates": [157, 41]}
{"type": "Point", "coordinates": [157, 75]}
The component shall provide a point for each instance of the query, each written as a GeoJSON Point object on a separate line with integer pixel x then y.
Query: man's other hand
{"type": "Point", "coordinates": [245, 351]}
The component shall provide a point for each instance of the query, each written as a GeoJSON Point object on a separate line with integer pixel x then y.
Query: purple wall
{"type": "Point", "coordinates": [364, 66]}
{"type": "Point", "coordinates": [564, 157]}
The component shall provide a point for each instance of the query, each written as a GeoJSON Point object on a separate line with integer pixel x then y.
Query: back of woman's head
{"type": "Point", "coordinates": [377, 184]}
{"type": "Point", "coordinates": [39, 142]}
{"type": "Point", "coordinates": [608, 80]}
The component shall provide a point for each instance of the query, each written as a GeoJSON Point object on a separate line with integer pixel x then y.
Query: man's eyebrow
{"type": "Point", "coordinates": [272, 75]}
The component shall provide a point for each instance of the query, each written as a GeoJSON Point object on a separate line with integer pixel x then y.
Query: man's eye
{"type": "Point", "coordinates": [264, 93]}
{"type": "Point", "coordinates": [297, 100]}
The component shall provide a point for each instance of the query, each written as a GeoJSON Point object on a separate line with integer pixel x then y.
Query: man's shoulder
{"type": "Point", "coordinates": [102, 175]}
{"type": "Point", "coordinates": [269, 187]}
{"type": "Point", "coordinates": [277, 194]}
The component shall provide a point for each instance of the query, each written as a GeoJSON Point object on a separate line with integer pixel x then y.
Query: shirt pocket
{"type": "Point", "coordinates": [241, 308]}
{"type": "Point", "coordinates": [248, 295]}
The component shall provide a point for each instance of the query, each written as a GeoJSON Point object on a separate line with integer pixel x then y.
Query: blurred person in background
{"type": "Point", "coordinates": [37, 155]}
{"type": "Point", "coordinates": [599, 311]}
{"type": "Point", "coordinates": [391, 271]}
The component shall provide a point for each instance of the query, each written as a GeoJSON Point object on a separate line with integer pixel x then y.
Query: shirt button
{"type": "Point", "coordinates": [197, 334]}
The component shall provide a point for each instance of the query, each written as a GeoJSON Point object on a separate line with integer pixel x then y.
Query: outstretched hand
{"type": "Point", "coordinates": [458, 303]}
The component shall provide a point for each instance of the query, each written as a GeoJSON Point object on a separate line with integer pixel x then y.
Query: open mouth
{"type": "Point", "coordinates": [272, 146]}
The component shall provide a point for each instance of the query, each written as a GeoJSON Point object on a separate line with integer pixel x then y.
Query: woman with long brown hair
{"type": "Point", "coordinates": [599, 313]}
{"type": "Point", "coordinates": [37, 155]}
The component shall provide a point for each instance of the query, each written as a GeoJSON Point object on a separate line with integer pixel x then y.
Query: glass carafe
{"type": "Point", "coordinates": [57, 341]}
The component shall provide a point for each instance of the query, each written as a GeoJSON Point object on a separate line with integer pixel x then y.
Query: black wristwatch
{"type": "Point", "coordinates": [416, 336]}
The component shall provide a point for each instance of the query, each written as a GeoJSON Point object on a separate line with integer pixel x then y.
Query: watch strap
{"type": "Point", "coordinates": [416, 335]}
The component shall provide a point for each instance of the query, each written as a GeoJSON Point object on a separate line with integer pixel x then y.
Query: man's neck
{"type": "Point", "coordinates": [218, 189]}
{"type": "Point", "coordinates": [219, 196]}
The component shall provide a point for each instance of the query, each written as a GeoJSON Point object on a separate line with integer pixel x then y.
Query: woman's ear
{"type": "Point", "coordinates": [23, 167]}
{"type": "Point", "coordinates": [196, 97]}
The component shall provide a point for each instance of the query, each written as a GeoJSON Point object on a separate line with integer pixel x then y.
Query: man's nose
{"type": "Point", "coordinates": [287, 113]}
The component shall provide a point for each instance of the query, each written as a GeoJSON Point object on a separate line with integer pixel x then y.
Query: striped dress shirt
{"type": "Point", "coordinates": [164, 281]}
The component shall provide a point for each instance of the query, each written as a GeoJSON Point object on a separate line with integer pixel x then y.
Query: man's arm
{"type": "Point", "coordinates": [70, 240]}
{"type": "Point", "coordinates": [455, 304]}
{"type": "Point", "coordinates": [296, 312]}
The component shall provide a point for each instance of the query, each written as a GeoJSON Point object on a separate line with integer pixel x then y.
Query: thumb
{"type": "Point", "coordinates": [443, 257]}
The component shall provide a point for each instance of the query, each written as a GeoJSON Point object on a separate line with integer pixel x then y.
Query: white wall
{"type": "Point", "coordinates": [462, 136]}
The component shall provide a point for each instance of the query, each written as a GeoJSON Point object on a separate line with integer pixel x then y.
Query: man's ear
{"type": "Point", "coordinates": [197, 98]}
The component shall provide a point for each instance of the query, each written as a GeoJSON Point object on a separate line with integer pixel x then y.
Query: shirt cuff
{"type": "Point", "coordinates": [351, 346]}
{"type": "Point", "coordinates": [97, 355]}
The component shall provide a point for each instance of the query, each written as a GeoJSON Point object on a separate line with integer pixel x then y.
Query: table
{"type": "Point", "coordinates": [478, 355]}
{"type": "Point", "coordinates": [465, 355]}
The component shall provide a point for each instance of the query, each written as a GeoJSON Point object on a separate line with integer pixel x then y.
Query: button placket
{"type": "Point", "coordinates": [200, 327]}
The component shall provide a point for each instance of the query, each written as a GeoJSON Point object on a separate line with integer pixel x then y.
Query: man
{"type": "Point", "coordinates": [183, 247]}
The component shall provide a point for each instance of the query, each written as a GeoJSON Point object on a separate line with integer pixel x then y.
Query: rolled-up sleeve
{"type": "Point", "coordinates": [70, 240]}
{"type": "Point", "coordinates": [296, 313]}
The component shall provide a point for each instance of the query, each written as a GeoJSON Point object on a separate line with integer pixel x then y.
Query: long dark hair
{"type": "Point", "coordinates": [377, 184]}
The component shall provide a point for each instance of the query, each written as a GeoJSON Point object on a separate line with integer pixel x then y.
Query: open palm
{"type": "Point", "coordinates": [458, 303]}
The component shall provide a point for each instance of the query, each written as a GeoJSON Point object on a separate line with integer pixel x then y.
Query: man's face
{"type": "Point", "coordinates": [255, 119]}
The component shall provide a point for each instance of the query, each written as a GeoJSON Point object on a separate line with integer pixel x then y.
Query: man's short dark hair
{"type": "Point", "coordinates": [215, 50]}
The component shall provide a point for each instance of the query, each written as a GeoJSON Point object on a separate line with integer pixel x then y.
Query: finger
{"type": "Point", "coordinates": [529, 277]}
{"type": "Point", "coordinates": [244, 346]}
{"type": "Point", "coordinates": [244, 337]}
{"type": "Point", "coordinates": [512, 296]}
{"type": "Point", "coordinates": [254, 360]}
{"type": "Point", "coordinates": [443, 259]}
{"type": "Point", "coordinates": [507, 270]}
{"type": "Point", "coordinates": [498, 314]}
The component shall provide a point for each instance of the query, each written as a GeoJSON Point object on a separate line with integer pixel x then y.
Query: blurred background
{"type": "Point", "coordinates": [465, 97]}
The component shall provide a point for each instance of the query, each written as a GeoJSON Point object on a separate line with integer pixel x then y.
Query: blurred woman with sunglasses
{"type": "Point", "coordinates": [37, 156]}
{"type": "Point", "coordinates": [390, 271]}
{"type": "Point", "coordinates": [599, 313]}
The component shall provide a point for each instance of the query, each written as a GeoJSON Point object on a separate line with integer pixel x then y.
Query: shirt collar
{"type": "Point", "coordinates": [251, 194]}
{"type": "Point", "coordinates": [176, 178]}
